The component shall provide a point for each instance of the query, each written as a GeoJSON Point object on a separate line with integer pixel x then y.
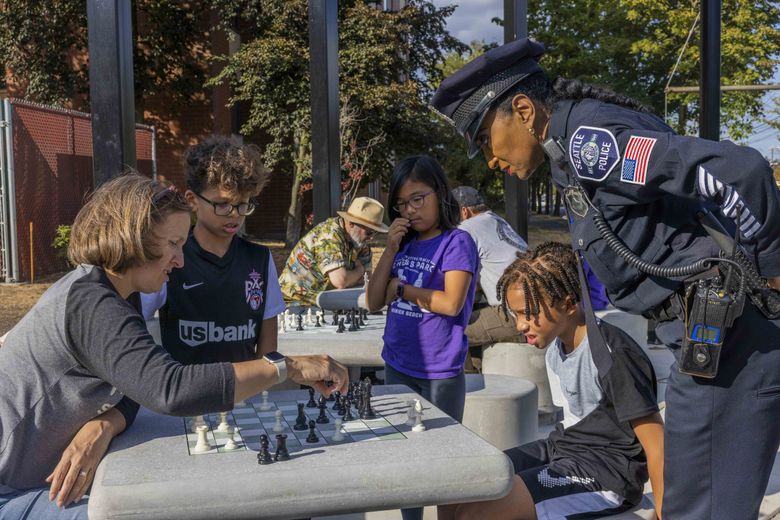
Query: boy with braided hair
{"type": "Point", "coordinates": [596, 462]}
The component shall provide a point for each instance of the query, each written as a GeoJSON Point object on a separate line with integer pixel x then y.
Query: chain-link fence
{"type": "Point", "coordinates": [46, 160]}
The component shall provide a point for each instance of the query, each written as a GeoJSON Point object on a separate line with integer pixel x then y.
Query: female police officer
{"type": "Point", "coordinates": [635, 192]}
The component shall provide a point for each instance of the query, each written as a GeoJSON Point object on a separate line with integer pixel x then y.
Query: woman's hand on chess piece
{"type": "Point", "coordinates": [74, 473]}
{"type": "Point", "coordinates": [314, 371]}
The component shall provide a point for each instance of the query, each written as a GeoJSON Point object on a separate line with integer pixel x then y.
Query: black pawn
{"type": "Point", "coordinates": [341, 326]}
{"type": "Point", "coordinates": [342, 406]}
{"type": "Point", "coordinates": [300, 421]}
{"type": "Point", "coordinates": [349, 317]}
{"type": "Point", "coordinates": [312, 437]}
{"type": "Point", "coordinates": [361, 320]}
{"type": "Point", "coordinates": [281, 448]}
{"type": "Point", "coordinates": [299, 319]}
{"type": "Point", "coordinates": [335, 318]}
{"type": "Point", "coordinates": [311, 403]}
{"type": "Point", "coordinates": [352, 326]}
{"type": "Point", "coordinates": [317, 322]}
{"type": "Point", "coordinates": [348, 411]}
{"type": "Point", "coordinates": [323, 417]}
{"type": "Point", "coordinates": [264, 457]}
{"type": "Point", "coordinates": [337, 397]}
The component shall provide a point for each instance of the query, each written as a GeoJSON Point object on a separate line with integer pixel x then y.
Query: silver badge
{"type": "Point", "coordinates": [576, 201]}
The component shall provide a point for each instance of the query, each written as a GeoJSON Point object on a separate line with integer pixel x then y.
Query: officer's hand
{"type": "Point", "coordinates": [774, 283]}
{"type": "Point", "coordinates": [314, 371]}
{"type": "Point", "coordinates": [395, 234]}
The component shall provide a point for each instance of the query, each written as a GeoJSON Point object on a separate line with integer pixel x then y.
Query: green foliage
{"type": "Point", "coordinates": [61, 240]}
{"type": "Point", "coordinates": [388, 67]}
{"type": "Point", "coordinates": [43, 45]}
{"type": "Point", "coordinates": [632, 46]}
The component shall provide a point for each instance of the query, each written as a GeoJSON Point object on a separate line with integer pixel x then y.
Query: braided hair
{"type": "Point", "coordinates": [546, 274]}
{"type": "Point", "coordinates": [539, 89]}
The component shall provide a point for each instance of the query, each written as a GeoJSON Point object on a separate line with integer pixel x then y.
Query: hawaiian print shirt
{"type": "Point", "coordinates": [325, 248]}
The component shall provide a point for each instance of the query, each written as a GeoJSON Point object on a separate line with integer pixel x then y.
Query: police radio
{"type": "Point", "coordinates": [710, 311]}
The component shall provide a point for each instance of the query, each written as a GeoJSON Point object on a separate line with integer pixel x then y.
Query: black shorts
{"type": "Point", "coordinates": [558, 495]}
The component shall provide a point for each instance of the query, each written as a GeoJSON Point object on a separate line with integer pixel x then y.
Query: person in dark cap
{"type": "Point", "coordinates": [498, 245]}
{"type": "Point", "coordinates": [638, 197]}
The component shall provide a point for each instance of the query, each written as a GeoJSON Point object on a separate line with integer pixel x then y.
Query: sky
{"type": "Point", "coordinates": [471, 21]}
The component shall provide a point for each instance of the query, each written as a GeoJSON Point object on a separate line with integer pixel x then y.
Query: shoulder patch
{"type": "Point", "coordinates": [593, 152]}
{"type": "Point", "coordinates": [636, 159]}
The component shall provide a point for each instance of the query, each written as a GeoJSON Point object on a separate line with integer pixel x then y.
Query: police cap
{"type": "Point", "coordinates": [468, 95]}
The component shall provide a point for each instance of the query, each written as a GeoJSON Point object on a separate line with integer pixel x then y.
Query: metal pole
{"type": "Point", "coordinates": [709, 112]}
{"type": "Point", "coordinates": [5, 237]}
{"type": "Point", "coordinates": [11, 186]}
{"type": "Point", "coordinates": [325, 142]}
{"type": "Point", "coordinates": [111, 89]}
{"type": "Point", "coordinates": [515, 190]}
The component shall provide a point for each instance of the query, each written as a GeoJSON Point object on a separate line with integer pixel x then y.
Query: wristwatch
{"type": "Point", "coordinates": [399, 290]}
{"type": "Point", "coordinates": [279, 361]}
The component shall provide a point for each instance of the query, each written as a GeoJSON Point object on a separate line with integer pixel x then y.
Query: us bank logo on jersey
{"type": "Point", "coordinates": [593, 152]}
{"type": "Point", "coordinates": [194, 333]}
{"type": "Point", "coordinates": [253, 288]}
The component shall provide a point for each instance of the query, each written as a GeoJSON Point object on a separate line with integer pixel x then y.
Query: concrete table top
{"type": "Point", "coordinates": [358, 348]}
{"type": "Point", "coordinates": [148, 473]}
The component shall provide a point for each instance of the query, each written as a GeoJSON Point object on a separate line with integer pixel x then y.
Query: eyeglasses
{"type": "Point", "coordinates": [368, 231]}
{"type": "Point", "coordinates": [416, 202]}
{"type": "Point", "coordinates": [224, 209]}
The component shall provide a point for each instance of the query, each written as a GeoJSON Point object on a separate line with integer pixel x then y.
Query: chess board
{"type": "Point", "coordinates": [374, 323]}
{"type": "Point", "coordinates": [252, 422]}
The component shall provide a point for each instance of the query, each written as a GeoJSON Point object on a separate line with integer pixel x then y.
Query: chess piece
{"type": "Point", "coordinates": [264, 404]}
{"type": "Point", "coordinates": [341, 326]}
{"type": "Point", "coordinates": [287, 318]}
{"type": "Point", "coordinates": [337, 397]}
{"type": "Point", "coordinates": [323, 417]}
{"type": "Point", "coordinates": [281, 448]}
{"type": "Point", "coordinates": [223, 423]}
{"type": "Point", "coordinates": [356, 319]}
{"type": "Point", "coordinates": [339, 435]}
{"type": "Point", "coordinates": [418, 414]}
{"type": "Point", "coordinates": [318, 322]}
{"type": "Point", "coordinates": [311, 403]}
{"type": "Point", "coordinates": [348, 411]}
{"type": "Point", "coordinates": [230, 445]}
{"type": "Point", "coordinates": [282, 324]}
{"type": "Point", "coordinates": [202, 445]}
{"type": "Point", "coordinates": [197, 421]}
{"type": "Point", "coordinates": [410, 412]}
{"type": "Point", "coordinates": [312, 437]}
{"type": "Point", "coordinates": [278, 427]}
{"type": "Point", "coordinates": [367, 412]}
{"type": "Point", "coordinates": [264, 457]}
{"type": "Point", "coordinates": [309, 323]}
{"type": "Point", "coordinates": [335, 318]}
{"type": "Point", "coordinates": [299, 319]}
{"type": "Point", "coordinates": [300, 421]}
{"type": "Point", "coordinates": [348, 319]}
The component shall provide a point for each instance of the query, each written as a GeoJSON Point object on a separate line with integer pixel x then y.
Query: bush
{"type": "Point", "coordinates": [61, 240]}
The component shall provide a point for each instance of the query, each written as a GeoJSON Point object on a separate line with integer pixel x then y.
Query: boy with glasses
{"type": "Point", "coordinates": [222, 305]}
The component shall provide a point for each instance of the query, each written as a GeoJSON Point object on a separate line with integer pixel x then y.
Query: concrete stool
{"type": "Point", "coordinates": [526, 362]}
{"type": "Point", "coordinates": [633, 324]}
{"type": "Point", "coordinates": [501, 409]}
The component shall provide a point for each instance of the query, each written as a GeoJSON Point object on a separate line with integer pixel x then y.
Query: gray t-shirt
{"type": "Point", "coordinates": [574, 381]}
{"type": "Point", "coordinates": [81, 350]}
{"type": "Point", "coordinates": [497, 244]}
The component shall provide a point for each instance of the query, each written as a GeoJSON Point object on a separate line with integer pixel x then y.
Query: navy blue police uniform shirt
{"type": "Point", "coordinates": [649, 184]}
{"type": "Point", "coordinates": [213, 308]}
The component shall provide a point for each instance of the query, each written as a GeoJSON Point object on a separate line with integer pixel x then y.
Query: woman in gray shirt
{"type": "Point", "coordinates": [73, 368]}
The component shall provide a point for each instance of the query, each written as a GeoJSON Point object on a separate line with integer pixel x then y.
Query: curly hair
{"type": "Point", "coordinates": [546, 274]}
{"type": "Point", "coordinates": [225, 163]}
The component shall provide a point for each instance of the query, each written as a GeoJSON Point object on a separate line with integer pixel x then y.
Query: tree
{"type": "Point", "coordinates": [44, 46]}
{"type": "Point", "coordinates": [388, 67]}
{"type": "Point", "coordinates": [632, 46]}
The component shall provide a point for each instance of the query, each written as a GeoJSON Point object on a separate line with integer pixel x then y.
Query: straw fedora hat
{"type": "Point", "coordinates": [366, 212]}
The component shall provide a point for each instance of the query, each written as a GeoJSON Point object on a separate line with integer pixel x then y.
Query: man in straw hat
{"type": "Point", "coordinates": [334, 254]}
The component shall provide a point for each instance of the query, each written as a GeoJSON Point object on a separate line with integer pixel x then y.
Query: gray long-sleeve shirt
{"type": "Point", "coordinates": [76, 354]}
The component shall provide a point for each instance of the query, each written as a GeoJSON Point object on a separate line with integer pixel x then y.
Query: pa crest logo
{"type": "Point", "coordinates": [253, 289]}
{"type": "Point", "coordinates": [593, 152]}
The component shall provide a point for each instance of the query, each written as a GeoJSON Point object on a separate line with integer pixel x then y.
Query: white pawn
{"type": "Point", "coordinates": [282, 324]}
{"type": "Point", "coordinates": [203, 442]}
{"type": "Point", "coordinates": [231, 443]}
{"type": "Point", "coordinates": [264, 404]}
{"type": "Point", "coordinates": [197, 422]}
{"type": "Point", "coordinates": [223, 424]}
{"type": "Point", "coordinates": [309, 322]}
{"type": "Point", "coordinates": [418, 413]}
{"type": "Point", "coordinates": [339, 435]}
{"type": "Point", "coordinates": [278, 428]}
{"type": "Point", "coordinates": [410, 412]}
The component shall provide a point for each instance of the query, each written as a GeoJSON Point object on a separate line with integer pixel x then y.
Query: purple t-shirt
{"type": "Point", "coordinates": [420, 343]}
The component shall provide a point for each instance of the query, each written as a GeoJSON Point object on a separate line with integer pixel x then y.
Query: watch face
{"type": "Point", "coordinates": [274, 357]}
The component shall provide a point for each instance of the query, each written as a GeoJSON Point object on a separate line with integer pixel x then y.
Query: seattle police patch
{"type": "Point", "coordinates": [593, 152]}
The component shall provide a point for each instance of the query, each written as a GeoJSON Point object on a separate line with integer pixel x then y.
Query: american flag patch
{"type": "Point", "coordinates": [636, 158]}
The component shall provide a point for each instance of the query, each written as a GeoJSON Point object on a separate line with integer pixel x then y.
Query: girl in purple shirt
{"type": "Point", "coordinates": [426, 277]}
